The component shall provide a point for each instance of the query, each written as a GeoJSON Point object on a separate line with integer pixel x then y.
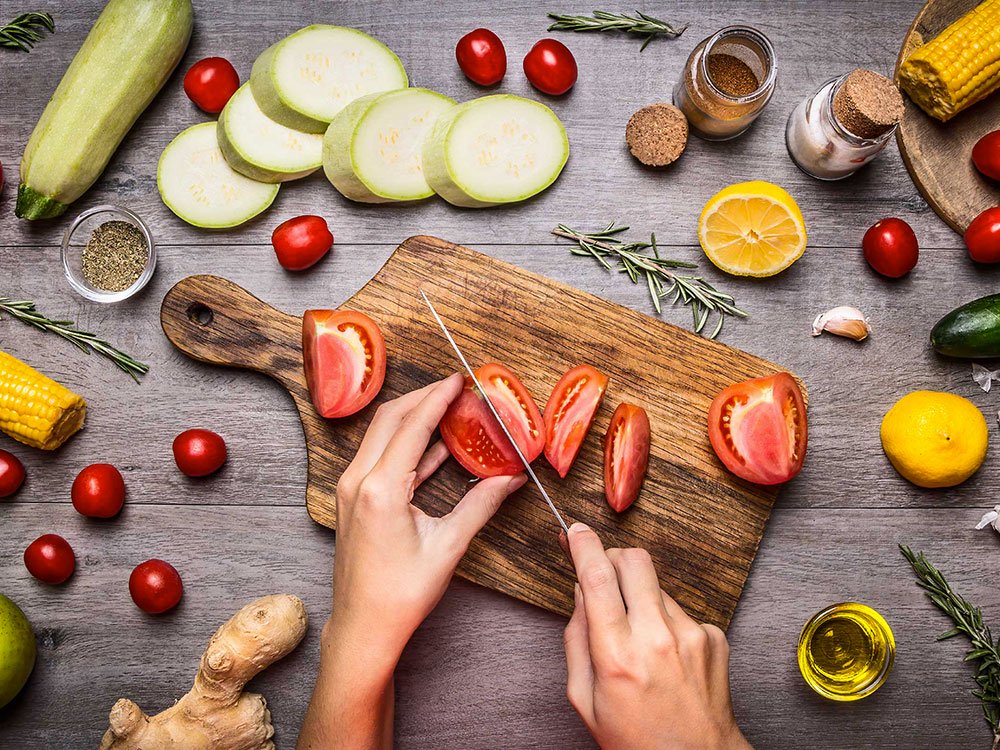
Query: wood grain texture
{"type": "Point", "coordinates": [701, 524]}
{"type": "Point", "coordinates": [936, 154]}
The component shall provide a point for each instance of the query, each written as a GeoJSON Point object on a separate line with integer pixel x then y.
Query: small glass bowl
{"type": "Point", "coordinates": [76, 238]}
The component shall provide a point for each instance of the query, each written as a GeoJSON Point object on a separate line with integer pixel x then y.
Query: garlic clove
{"type": "Point", "coordinates": [845, 321]}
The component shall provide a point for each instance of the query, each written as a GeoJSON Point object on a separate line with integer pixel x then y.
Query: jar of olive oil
{"type": "Point", "coordinates": [846, 651]}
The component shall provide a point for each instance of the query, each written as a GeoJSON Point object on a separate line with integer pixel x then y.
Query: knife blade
{"type": "Point", "coordinates": [496, 414]}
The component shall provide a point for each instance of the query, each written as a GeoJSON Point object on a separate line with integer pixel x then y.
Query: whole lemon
{"type": "Point", "coordinates": [934, 439]}
{"type": "Point", "coordinates": [17, 650]}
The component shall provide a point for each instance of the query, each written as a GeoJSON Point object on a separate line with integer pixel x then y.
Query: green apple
{"type": "Point", "coordinates": [17, 650]}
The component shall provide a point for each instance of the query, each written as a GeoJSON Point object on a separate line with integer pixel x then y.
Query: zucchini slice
{"type": "Point", "coordinates": [495, 149]}
{"type": "Point", "coordinates": [197, 184]}
{"type": "Point", "coordinates": [372, 151]}
{"type": "Point", "coordinates": [260, 148]}
{"type": "Point", "coordinates": [304, 80]}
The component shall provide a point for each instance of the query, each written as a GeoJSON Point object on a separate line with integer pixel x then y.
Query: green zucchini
{"type": "Point", "coordinates": [971, 331]}
{"type": "Point", "coordinates": [126, 58]}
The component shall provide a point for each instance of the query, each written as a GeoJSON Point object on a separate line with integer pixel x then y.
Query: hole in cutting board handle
{"type": "Point", "coordinates": [200, 314]}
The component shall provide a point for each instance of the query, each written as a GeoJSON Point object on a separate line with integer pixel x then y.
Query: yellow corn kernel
{"type": "Point", "coordinates": [957, 68]}
{"type": "Point", "coordinates": [34, 409]}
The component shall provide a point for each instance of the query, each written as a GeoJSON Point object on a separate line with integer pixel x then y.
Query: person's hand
{"type": "Point", "coordinates": [641, 672]}
{"type": "Point", "coordinates": [393, 562]}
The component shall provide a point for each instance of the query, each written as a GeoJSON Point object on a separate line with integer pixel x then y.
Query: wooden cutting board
{"type": "Point", "coordinates": [701, 524]}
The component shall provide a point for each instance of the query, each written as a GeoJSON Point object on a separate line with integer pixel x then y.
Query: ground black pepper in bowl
{"type": "Point", "coordinates": [115, 256]}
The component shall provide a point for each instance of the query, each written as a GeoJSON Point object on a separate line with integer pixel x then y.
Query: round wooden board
{"type": "Point", "coordinates": [936, 154]}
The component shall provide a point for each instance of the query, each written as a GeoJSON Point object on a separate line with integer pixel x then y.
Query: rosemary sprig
{"type": "Point", "coordinates": [693, 291]}
{"type": "Point", "coordinates": [25, 311]}
{"type": "Point", "coordinates": [25, 30]}
{"type": "Point", "coordinates": [968, 621]}
{"type": "Point", "coordinates": [602, 20]}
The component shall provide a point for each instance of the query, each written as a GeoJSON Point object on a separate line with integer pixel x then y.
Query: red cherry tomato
{"type": "Point", "coordinates": [98, 491]}
{"type": "Point", "coordinates": [982, 238]}
{"type": "Point", "coordinates": [890, 247]}
{"type": "Point", "coordinates": [758, 429]}
{"type": "Point", "coordinates": [11, 474]}
{"type": "Point", "coordinates": [155, 586]}
{"type": "Point", "coordinates": [211, 82]}
{"type": "Point", "coordinates": [550, 67]}
{"type": "Point", "coordinates": [472, 434]}
{"type": "Point", "coordinates": [199, 453]}
{"type": "Point", "coordinates": [50, 559]}
{"type": "Point", "coordinates": [301, 242]}
{"type": "Point", "coordinates": [626, 455]}
{"type": "Point", "coordinates": [986, 155]}
{"type": "Point", "coordinates": [344, 357]}
{"type": "Point", "coordinates": [482, 57]}
{"type": "Point", "coordinates": [569, 413]}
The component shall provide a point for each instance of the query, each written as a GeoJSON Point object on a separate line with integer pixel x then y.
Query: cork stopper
{"type": "Point", "coordinates": [867, 104]}
{"type": "Point", "coordinates": [657, 134]}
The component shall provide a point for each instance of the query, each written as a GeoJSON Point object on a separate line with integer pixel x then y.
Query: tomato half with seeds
{"type": "Point", "coordinates": [569, 414]}
{"type": "Point", "coordinates": [344, 356]}
{"type": "Point", "coordinates": [758, 428]}
{"type": "Point", "coordinates": [473, 434]}
{"type": "Point", "coordinates": [626, 455]}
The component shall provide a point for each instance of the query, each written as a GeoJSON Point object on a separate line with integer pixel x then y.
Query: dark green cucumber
{"type": "Point", "coordinates": [971, 331]}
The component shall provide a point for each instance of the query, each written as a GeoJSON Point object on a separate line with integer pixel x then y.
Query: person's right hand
{"type": "Point", "coordinates": [642, 673]}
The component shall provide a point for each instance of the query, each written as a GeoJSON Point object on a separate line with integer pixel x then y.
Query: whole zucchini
{"type": "Point", "coordinates": [971, 331]}
{"type": "Point", "coordinates": [126, 58]}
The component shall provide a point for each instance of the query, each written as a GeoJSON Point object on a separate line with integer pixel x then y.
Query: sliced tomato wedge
{"type": "Point", "coordinates": [569, 414]}
{"type": "Point", "coordinates": [344, 356]}
{"type": "Point", "coordinates": [758, 428]}
{"type": "Point", "coordinates": [473, 434]}
{"type": "Point", "coordinates": [626, 455]}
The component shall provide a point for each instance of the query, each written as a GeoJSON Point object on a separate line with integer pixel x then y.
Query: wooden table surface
{"type": "Point", "coordinates": [486, 671]}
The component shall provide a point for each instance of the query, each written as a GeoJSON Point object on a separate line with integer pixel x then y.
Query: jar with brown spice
{"type": "Point", "coordinates": [727, 81]}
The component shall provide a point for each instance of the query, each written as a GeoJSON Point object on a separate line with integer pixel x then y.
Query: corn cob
{"type": "Point", "coordinates": [34, 409]}
{"type": "Point", "coordinates": [957, 68]}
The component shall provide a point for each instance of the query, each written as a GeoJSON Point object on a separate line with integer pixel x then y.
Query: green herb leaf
{"type": "Point", "coordinates": [25, 30]}
{"type": "Point", "coordinates": [603, 20]}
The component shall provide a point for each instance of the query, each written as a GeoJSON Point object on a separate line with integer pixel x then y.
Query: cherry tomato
{"type": "Point", "coordinates": [199, 453]}
{"type": "Point", "coordinates": [98, 491]}
{"type": "Point", "coordinates": [550, 67]}
{"type": "Point", "coordinates": [982, 237]}
{"type": "Point", "coordinates": [472, 434]}
{"type": "Point", "coordinates": [50, 559]}
{"type": "Point", "coordinates": [758, 428]}
{"type": "Point", "coordinates": [155, 586]}
{"type": "Point", "coordinates": [301, 242]}
{"type": "Point", "coordinates": [344, 356]}
{"type": "Point", "coordinates": [626, 455]}
{"type": "Point", "coordinates": [890, 247]}
{"type": "Point", "coordinates": [11, 474]}
{"type": "Point", "coordinates": [569, 414]}
{"type": "Point", "coordinates": [211, 82]}
{"type": "Point", "coordinates": [986, 155]}
{"type": "Point", "coordinates": [482, 57]}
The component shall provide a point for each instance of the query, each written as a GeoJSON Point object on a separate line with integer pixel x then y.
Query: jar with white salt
{"type": "Point", "coordinates": [844, 125]}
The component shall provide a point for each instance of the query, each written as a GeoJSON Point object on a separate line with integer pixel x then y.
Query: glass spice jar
{"type": "Point", "coordinates": [822, 146]}
{"type": "Point", "coordinates": [727, 80]}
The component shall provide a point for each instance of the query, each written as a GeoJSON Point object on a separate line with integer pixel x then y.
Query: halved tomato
{"type": "Point", "coordinates": [473, 434]}
{"type": "Point", "coordinates": [569, 413]}
{"type": "Point", "coordinates": [626, 455]}
{"type": "Point", "coordinates": [344, 356]}
{"type": "Point", "coordinates": [758, 428]}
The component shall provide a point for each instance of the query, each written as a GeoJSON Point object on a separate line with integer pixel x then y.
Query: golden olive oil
{"type": "Point", "coordinates": [846, 651]}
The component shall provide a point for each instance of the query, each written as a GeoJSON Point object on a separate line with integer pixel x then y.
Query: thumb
{"type": "Point", "coordinates": [478, 506]}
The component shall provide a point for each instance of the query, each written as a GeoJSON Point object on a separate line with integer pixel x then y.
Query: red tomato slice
{"type": "Point", "coordinates": [344, 357]}
{"type": "Point", "coordinates": [473, 434]}
{"type": "Point", "coordinates": [569, 413]}
{"type": "Point", "coordinates": [758, 428]}
{"type": "Point", "coordinates": [626, 455]}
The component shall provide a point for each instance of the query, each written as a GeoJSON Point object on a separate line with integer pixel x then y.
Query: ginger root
{"type": "Point", "coordinates": [217, 714]}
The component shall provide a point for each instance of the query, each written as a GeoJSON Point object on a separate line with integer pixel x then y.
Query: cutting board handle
{"type": "Point", "coordinates": [216, 321]}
